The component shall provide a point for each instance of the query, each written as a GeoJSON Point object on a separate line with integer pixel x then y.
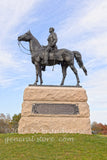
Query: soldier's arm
{"type": "Point", "coordinates": [55, 38]}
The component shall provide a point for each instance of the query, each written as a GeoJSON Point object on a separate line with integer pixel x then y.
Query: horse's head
{"type": "Point", "coordinates": [25, 37]}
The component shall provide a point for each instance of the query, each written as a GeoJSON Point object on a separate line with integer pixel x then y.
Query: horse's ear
{"type": "Point", "coordinates": [28, 31]}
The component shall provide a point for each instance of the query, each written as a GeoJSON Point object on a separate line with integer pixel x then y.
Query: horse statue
{"type": "Point", "coordinates": [64, 57]}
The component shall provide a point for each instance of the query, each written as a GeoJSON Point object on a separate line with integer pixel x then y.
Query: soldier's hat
{"type": "Point", "coordinates": [51, 28]}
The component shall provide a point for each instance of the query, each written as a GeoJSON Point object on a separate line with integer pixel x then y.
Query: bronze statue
{"type": "Point", "coordinates": [52, 57]}
{"type": "Point", "coordinates": [52, 40]}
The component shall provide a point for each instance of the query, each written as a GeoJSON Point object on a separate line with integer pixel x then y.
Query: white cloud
{"type": "Point", "coordinates": [7, 61]}
{"type": "Point", "coordinates": [88, 25]}
{"type": "Point", "coordinates": [12, 14]}
{"type": "Point", "coordinates": [6, 81]}
{"type": "Point", "coordinates": [99, 116]}
{"type": "Point", "coordinates": [96, 88]}
{"type": "Point", "coordinates": [87, 33]}
{"type": "Point", "coordinates": [95, 17]}
{"type": "Point", "coordinates": [95, 46]}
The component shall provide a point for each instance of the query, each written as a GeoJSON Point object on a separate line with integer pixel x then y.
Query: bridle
{"type": "Point", "coordinates": [20, 44]}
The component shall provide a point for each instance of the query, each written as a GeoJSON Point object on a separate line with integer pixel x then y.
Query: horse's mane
{"type": "Point", "coordinates": [35, 40]}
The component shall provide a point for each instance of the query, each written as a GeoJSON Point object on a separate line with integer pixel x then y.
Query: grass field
{"type": "Point", "coordinates": [53, 147]}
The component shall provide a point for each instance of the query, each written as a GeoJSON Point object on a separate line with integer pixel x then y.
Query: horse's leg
{"type": "Point", "coordinates": [64, 68]}
{"type": "Point", "coordinates": [36, 67]}
{"type": "Point", "coordinates": [40, 75]}
{"type": "Point", "coordinates": [76, 74]}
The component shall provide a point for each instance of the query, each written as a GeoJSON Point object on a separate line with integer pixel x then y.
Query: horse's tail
{"type": "Point", "coordinates": [78, 58]}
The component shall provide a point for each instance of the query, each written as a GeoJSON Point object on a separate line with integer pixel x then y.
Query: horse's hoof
{"type": "Point", "coordinates": [78, 85]}
{"type": "Point", "coordinates": [35, 84]}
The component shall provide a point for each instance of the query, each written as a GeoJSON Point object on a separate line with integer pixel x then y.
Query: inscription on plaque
{"type": "Point", "coordinates": [41, 108]}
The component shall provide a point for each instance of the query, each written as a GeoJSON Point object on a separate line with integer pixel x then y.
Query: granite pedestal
{"type": "Point", "coordinates": [50, 109]}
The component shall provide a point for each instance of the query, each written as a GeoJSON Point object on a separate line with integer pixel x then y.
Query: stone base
{"type": "Point", "coordinates": [54, 123]}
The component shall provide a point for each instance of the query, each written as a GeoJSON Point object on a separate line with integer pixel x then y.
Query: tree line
{"type": "Point", "coordinates": [99, 128]}
{"type": "Point", "coordinates": [8, 124]}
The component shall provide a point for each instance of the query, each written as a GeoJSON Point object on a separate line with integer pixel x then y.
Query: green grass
{"type": "Point", "coordinates": [53, 147]}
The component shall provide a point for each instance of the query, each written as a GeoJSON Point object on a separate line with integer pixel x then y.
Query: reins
{"type": "Point", "coordinates": [20, 44]}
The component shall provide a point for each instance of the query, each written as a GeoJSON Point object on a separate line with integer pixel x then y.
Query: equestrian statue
{"type": "Point", "coordinates": [50, 55]}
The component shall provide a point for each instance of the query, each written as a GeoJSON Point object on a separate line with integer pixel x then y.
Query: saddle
{"type": "Point", "coordinates": [53, 55]}
{"type": "Point", "coordinates": [50, 51]}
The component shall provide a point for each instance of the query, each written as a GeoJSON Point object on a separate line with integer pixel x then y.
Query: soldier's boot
{"type": "Point", "coordinates": [46, 58]}
{"type": "Point", "coordinates": [43, 68]}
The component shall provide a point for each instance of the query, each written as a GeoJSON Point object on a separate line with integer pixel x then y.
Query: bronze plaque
{"type": "Point", "coordinates": [41, 108]}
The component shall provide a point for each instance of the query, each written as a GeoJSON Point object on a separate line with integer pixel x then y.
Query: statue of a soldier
{"type": "Point", "coordinates": [52, 40]}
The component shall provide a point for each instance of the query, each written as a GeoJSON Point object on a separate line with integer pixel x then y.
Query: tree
{"type": "Point", "coordinates": [8, 125]}
{"type": "Point", "coordinates": [98, 128]}
{"type": "Point", "coordinates": [15, 121]}
{"type": "Point", "coordinates": [4, 123]}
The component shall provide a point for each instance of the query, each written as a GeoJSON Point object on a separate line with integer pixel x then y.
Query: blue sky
{"type": "Point", "coordinates": [80, 25]}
